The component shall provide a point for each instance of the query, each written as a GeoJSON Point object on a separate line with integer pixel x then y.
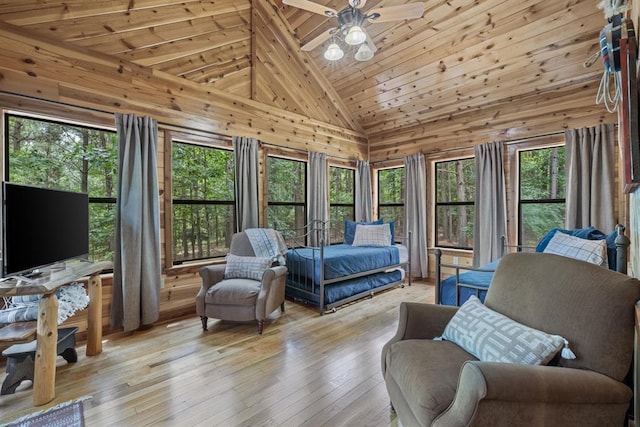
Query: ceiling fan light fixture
{"type": "Point", "coordinates": [355, 36]}
{"type": "Point", "coordinates": [364, 53]}
{"type": "Point", "coordinates": [333, 52]}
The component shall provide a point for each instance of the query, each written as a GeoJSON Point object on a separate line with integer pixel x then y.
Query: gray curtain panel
{"type": "Point", "coordinates": [415, 212]}
{"type": "Point", "coordinates": [364, 204]}
{"type": "Point", "coordinates": [590, 178]}
{"type": "Point", "coordinates": [317, 194]}
{"type": "Point", "coordinates": [246, 175]}
{"type": "Point", "coordinates": [490, 203]}
{"type": "Point", "coordinates": [137, 268]}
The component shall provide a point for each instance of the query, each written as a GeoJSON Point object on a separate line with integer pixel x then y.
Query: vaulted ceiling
{"type": "Point", "coordinates": [464, 64]}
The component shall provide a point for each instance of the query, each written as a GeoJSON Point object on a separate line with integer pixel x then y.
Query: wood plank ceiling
{"type": "Point", "coordinates": [466, 62]}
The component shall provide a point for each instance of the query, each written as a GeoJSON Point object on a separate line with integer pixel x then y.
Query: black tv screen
{"type": "Point", "coordinates": [42, 227]}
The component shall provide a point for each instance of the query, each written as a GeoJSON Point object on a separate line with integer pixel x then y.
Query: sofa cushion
{"type": "Point", "coordinates": [593, 251]}
{"type": "Point", "coordinates": [493, 337]}
{"type": "Point", "coordinates": [233, 292]}
{"type": "Point", "coordinates": [428, 384]}
{"type": "Point", "coordinates": [246, 267]}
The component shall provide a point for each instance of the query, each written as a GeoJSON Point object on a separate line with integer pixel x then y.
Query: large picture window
{"type": "Point", "coordinates": [70, 157]}
{"type": "Point", "coordinates": [342, 197]}
{"type": "Point", "coordinates": [542, 193]}
{"type": "Point", "coordinates": [455, 207]}
{"type": "Point", "coordinates": [391, 197]}
{"type": "Point", "coordinates": [286, 193]}
{"type": "Point", "coordinates": [203, 201]}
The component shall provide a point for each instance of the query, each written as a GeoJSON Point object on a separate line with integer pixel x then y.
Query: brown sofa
{"type": "Point", "coordinates": [437, 383]}
{"type": "Point", "coordinates": [240, 299]}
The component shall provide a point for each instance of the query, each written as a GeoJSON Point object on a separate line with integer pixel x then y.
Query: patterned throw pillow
{"type": "Point", "coordinates": [372, 235]}
{"type": "Point", "coordinates": [593, 251]}
{"type": "Point", "coordinates": [350, 228]}
{"type": "Point", "coordinates": [493, 337]}
{"type": "Point", "coordinates": [246, 267]}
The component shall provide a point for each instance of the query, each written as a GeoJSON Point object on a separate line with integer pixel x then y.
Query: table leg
{"type": "Point", "coordinates": [44, 373]}
{"type": "Point", "coordinates": [94, 318]}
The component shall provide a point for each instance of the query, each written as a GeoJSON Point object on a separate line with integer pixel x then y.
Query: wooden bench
{"type": "Point", "coordinates": [20, 358]}
{"type": "Point", "coordinates": [18, 332]}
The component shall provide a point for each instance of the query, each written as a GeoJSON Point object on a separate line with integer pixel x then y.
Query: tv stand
{"type": "Point", "coordinates": [47, 324]}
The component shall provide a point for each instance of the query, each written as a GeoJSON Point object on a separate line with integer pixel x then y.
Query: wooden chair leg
{"type": "Point", "coordinates": [260, 326]}
{"type": "Point", "coordinates": [204, 320]}
{"type": "Point", "coordinates": [282, 307]}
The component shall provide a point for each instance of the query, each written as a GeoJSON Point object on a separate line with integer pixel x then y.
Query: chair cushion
{"type": "Point", "coordinates": [426, 372]}
{"type": "Point", "coordinates": [493, 337]}
{"type": "Point", "coordinates": [246, 267]}
{"type": "Point", "coordinates": [233, 292]}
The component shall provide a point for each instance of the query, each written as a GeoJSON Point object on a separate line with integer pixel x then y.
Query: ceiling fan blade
{"type": "Point", "coordinates": [396, 13]}
{"type": "Point", "coordinates": [311, 7]}
{"type": "Point", "coordinates": [358, 4]}
{"type": "Point", "coordinates": [312, 44]}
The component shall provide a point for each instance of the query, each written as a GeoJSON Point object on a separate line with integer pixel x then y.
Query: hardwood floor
{"type": "Point", "coordinates": [305, 370]}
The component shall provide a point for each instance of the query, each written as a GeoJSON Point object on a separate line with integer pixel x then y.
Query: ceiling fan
{"type": "Point", "coordinates": [350, 21]}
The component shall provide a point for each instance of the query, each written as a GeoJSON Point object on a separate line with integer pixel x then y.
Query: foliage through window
{"type": "Point", "coordinates": [286, 193]}
{"type": "Point", "coordinates": [70, 157]}
{"type": "Point", "coordinates": [391, 198]}
{"type": "Point", "coordinates": [203, 201]}
{"type": "Point", "coordinates": [342, 196]}
{"type": "Point", "coordinates": [542, 193]}
{"type": "Point", "coordinates": [455, 207]}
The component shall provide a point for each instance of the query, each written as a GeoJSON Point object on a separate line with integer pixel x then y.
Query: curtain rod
{"type": "Point", "coordinates": [167, 125]}
{"type": "Point", "coordinates": [96, 110]}
{"type": "Point", "coordinates": [451, 150]}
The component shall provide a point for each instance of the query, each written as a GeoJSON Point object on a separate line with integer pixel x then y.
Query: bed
{"type": "Point", "coordinates": [339, 270]}
{"type": "Point", "coordinates": [466, 281]}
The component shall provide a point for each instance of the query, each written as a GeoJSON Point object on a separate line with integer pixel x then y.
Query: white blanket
{"type": "Point", "coordinates": [267, 242]}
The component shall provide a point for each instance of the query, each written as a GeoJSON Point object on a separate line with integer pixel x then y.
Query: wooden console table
{"type": "Point", "coordinates": [47, 324]}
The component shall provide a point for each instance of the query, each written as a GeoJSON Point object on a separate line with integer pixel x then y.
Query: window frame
{"type": "Point", "coordinates": [438, 204]}
{"type": "Point", "coordinates": [196, 202]}
{"type": "Point", "coordinates": [343, 204]}
{"type": "Point", "coordinates": [520, 202]}
{"type": "Point", "coordinates": [399, 232]}
{"type": "Point", "coordinates": [7, 114]}
{"type": "Point", "coordinates": [294, 205]}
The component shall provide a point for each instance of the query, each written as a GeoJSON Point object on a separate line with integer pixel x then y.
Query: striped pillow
{"type": "Point", "coordinates": [372, 235]}
{"type": "Point", "coordinates": [246, 267]}
{"type": "Point", "coordinates": [593, 251]}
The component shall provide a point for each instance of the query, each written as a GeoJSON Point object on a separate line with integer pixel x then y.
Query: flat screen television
{"type": "Point", "coordinates": [42, 227]}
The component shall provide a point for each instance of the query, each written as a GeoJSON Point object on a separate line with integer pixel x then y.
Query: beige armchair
{"type": "Point", "coordinates": [240, 299]}
{"type": "Point", "coordinates": [436, 382]}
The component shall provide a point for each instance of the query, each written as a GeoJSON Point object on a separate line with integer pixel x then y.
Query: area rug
{"type": "Point", "coordinates": [66, 414]}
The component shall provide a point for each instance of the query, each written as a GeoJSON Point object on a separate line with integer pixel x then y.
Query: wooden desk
{"type": "Point", "coordinates": [47, 328]}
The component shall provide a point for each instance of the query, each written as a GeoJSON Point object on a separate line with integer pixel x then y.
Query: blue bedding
{"type": "Point", "coordinates": [340, 260]}
{"type": "Point", "coordinates": [341, 290]}
{"type": "Point", "coordinates": [476, 278]}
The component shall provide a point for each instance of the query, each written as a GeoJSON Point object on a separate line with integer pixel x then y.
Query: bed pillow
{"type": "Point", "coordinates": [493, 337]}
{"type": "Point", "coordinates": [392, 229]}
{"type": "Point", "coordinates": [246, 267]}
{"type": "Point", "coordinates": [350, 229]}
{"type": "Point", "coordinates": [593, 251]}
{"type": "Point", "coordinates": [372, 235]}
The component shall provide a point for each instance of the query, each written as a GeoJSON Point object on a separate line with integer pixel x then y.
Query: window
{"type": "Point", "coordinates": [203, 201]}
{"type": "Point", "coordinates": [286, 193]}
{"type": "Point", "coordinates": [542, 193]}
{"type": "Point", "coordinates": [342, 195]}
{"type": "Point", "coordinates": [68, 157]}
{"type": "Point", "coordinates": [455, 209]}
{"type": "Point", "coordinates": [391, 197]}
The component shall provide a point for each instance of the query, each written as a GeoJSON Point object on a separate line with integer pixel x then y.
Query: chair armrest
{"type": "Point", "coordinates": [211, 274]}
{"type": "Point", "coordinates": [271, 291]}
{"type": "Point", "coordinates": [419, 321]}
{"type": "Point", "coordinates": [513, 383]}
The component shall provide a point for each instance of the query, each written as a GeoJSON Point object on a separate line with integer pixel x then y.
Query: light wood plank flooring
{"type": "Point", "coordinates": [305, 370]}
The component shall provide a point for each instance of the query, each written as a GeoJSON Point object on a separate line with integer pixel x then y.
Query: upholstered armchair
{"type": "Point", "coordinates": [246, 288]}
{"type": "Point", "coordinates": [437, 382]}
